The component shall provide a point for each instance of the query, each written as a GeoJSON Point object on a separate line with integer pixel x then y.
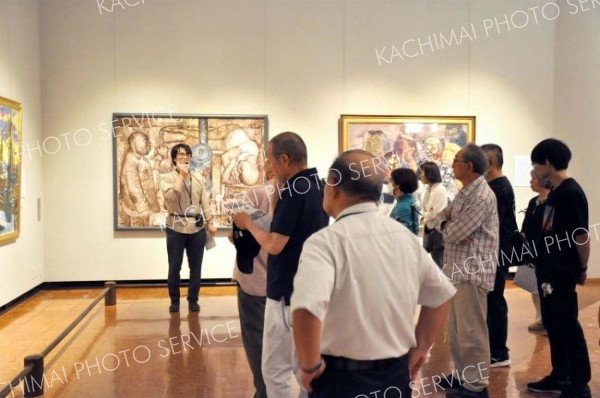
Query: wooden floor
{"type": "Point", "coordinates": [139, 349]}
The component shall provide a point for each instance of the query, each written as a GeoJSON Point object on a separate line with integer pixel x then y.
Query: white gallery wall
{"type": "Point", "coordinates": [22, 261]}
{"type": "Point", "coordinates": [303, 63]}
{"type": "Point", "coordinates": [577, 106]}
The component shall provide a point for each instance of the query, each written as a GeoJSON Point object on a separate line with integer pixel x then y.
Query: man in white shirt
{"type": "Point", "coordinates": [357, 287]}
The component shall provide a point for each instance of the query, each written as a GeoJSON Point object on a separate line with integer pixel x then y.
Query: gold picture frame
{"type": "Point", "coordinates": [408, 141]}
{"type": "Point", "coordinates": [11, 142]}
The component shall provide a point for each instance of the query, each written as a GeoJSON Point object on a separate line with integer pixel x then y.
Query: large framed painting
{"type": "Point", "coordinates": [228, 153]}
{"type": "Point", "coordinates": [11, 142]}
{"type": "Point", "coordinates": [408, 141]}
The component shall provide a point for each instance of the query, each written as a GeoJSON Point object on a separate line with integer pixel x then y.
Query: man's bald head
{"type": "Point", "coordinates": [358, 174]}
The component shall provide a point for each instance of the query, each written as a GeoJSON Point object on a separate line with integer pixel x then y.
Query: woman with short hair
{"type": "Point", "coordinates": [190, 215]}
{"type": "Point", "coordinates": [406, 211]}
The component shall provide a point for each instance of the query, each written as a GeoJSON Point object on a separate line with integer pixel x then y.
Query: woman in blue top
{"type": "Point", "coordinates": [404, 183]}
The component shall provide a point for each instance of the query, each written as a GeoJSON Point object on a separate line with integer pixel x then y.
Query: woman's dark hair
{"type": "Point", "coordinates": [406, 179]}
{"type": "Point", "coordinates": [175, 151]}
{"type": "Point", "coordinates": [556, 152]}
{"type": "Point", "coordinates": [431, 171]}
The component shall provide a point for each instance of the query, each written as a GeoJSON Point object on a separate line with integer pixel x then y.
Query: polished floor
{"type": "Point", "coordinates": [139, 349]}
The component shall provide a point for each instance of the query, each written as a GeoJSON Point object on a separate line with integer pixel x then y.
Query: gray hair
{"type": "Point", "coordinates": [474, 154]}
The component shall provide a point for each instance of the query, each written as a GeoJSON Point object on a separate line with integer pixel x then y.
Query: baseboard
{"type": "Point", "coordinates": [97, 284]}
{"type": "Point", "coordinates": [14, 302]}
{"type": "Point", "coordinates": [593, 282]}
{"type": "Point", "coordinates": [130, 283]}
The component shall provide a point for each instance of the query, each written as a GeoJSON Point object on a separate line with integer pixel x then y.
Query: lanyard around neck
{"type": "Point", "coordinates": [189, 190]}
{"type": "Point", "coordinates": [349, 214]}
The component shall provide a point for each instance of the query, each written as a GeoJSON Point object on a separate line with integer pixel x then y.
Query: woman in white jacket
{"type": "Point", "coordinates": [435, 201]}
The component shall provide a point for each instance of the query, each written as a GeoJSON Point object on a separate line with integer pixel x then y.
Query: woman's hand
{"type": "Point", "coordinates": [212, 229]}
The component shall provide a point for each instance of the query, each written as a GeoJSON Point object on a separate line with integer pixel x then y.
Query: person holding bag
{"type": "Point", "coordinates": [434, 202]}
{"type": "Point", "coordinates": [531, 229]}
{"type": "Point", "coordinates": [190, 215]}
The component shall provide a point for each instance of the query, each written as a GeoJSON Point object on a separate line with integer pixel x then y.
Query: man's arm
{"type": "Point", "coordinates": [272, 242]}
{"type": "Point", "coordinates": [307, 336]}
{"type": "Point", "coordinates": [583, 250]}
{"type": "Point", "coordinates": [469, 219]}
{"type": "Point", "coordinates": [431, 321]}
{"type": "Point", "coordinates": [313, 286]}
{"type": "Point", "coordinates": [171, 187]}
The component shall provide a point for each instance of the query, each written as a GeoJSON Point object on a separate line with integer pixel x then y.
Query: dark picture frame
{"type": "Point", "coordinates": [228, 154]}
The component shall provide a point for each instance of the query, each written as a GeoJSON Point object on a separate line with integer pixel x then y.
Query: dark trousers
{"type": "Point", "coordinates": [568, 350]}
{"type": "Point", "coordinates": [193, 245]}
{"type": "Point", "coordinates": [438, 257]}
{"type": "Point", "coordinates": [389, 382]}
{"type": "Point", "coordinates": [497, 316]}
{"type": "Point", "coordinates": [252, 320]}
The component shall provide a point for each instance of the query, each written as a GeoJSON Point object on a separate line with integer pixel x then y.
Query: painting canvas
{"type": "Point", "coordinates": [11, 138]}
{"type": "Point", "coordinates": [227, 151]}
{"type": "Point", "coordinates": [408, 141]}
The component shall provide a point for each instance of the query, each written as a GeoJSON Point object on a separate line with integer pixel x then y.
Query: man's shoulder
{"type": "Point", "coordinates": [501, 186]}
{"type": "Point", "coordinates": [567, 195]}
{"type": "Point", "coordinates": [485, 195]}
{"type": "Point", "coordinates": [305, 184]}
{"type": "Point", "coordinates": [371, 222]}
{"type": "Point", "coordinates": [571, 186]}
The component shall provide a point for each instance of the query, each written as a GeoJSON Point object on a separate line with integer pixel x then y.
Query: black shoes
{"type": "Point", "coordinates": [548, 384]}
{"type": "Point", "coordinates": [193, 306]}
{"type": "Point", "coordinates": [576, 392]}
{"type": "Point", "coordinates": [500, 361]}
{"type": "Point", "coordinates": [449, 382]}
{"type": "Point", "coordinates": [464, 393]}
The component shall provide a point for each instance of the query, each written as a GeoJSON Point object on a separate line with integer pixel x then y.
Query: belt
{"type": "Point", "coordinates": [341, 363]}
{"type": "Point", "coordinates": [184, 215]}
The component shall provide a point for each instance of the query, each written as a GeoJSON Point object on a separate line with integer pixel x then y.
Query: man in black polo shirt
{"type": "Point", "coordinates": [564, 251]}
{"type": "Point", "coordinates": [497, 315]}
{"type": "Point", "coordinates": [298, 214]}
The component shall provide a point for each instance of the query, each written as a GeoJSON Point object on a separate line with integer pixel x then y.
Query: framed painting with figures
{"type": "Point", "coordinates": [228, 155]}
{"type": "Point", "coordinates": [11, 142]}
{"type": "Point", "coordinates": [408, 141]}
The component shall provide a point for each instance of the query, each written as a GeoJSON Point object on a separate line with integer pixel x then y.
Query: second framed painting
{"type": "Point", "coordinates": [408, 141]}
{"type": "Point", "coordinates": [228, 151]}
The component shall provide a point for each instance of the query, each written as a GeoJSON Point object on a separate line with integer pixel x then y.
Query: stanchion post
{"type": "Point", "coordinates": [111, 297]}
{"type": "Point", "coordinates": [34, 381]}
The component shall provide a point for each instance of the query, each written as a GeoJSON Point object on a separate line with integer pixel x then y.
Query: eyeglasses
{"type": "Point", "coordinates": [183, 155]}
{"type": "Point", "coordinates": [459, 160]}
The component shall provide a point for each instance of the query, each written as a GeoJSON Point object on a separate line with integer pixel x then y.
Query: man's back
{"type": "Point", "coordinates": [298, 214]}
{"type": "Point", "coordinates": [364, 276]}
{"type": "Point", "coordinates": [505, 198]}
